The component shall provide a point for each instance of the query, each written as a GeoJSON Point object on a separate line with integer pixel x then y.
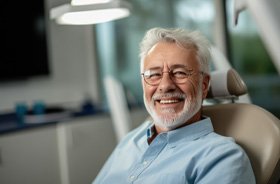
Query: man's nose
{"type": "Point", "coordinates": [166, 84]}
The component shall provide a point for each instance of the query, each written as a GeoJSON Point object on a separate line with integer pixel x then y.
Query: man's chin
{"type": "Point", "coordinates": [167, 121]}
{"type": "Point", "coordinates": [167, 125]}
{"type": "Point", "coordinates": [168, 109]}
{"type": "Point", "coordinates": [167, 117]}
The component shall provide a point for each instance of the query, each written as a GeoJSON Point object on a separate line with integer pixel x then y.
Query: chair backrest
{"type": "Point", "coordinates": [226, 84]}
{"type": "Point", "coordinates": [256, 130]}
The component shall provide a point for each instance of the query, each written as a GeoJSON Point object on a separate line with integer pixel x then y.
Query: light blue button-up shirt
{"type": "Point", "coordinates": [193, 154]}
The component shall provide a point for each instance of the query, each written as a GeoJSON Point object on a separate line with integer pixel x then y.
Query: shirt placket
{"type": "Point", "coordinates": [148, 157]}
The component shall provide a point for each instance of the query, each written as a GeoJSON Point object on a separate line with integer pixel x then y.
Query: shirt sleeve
{"type": "Point", "coordinates": [225, 164]}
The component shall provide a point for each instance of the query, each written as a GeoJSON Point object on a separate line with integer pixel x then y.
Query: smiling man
{"type": "Point", "coordinates": [177, 144]}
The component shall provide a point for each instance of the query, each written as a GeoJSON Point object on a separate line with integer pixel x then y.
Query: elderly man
{"type": "Point", "coordinates": [177, 145]}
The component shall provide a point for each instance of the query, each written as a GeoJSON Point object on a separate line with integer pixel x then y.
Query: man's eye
{"type": "Point", "coordinates": [181, 73]}
{"type": "Point", "coordinates": [154, 75]}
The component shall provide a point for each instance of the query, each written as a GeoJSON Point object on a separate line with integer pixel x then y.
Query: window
{"type": "Point", "coordinates": [251, 59]}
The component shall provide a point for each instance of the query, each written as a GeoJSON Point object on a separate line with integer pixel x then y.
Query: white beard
{"type": "Point", "coordinates": [168, 119]}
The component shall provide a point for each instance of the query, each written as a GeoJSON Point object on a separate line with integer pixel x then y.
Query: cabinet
{"type": "Point", "coordinates": [68, 152]}
{"type": "Point", "coordinates": [29, 156]}
{"type": "Point", "coordinates": [84, 146]}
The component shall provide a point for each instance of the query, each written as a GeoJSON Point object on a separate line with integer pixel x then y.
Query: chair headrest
{"type": "Point", "coordinates": [225, 84]}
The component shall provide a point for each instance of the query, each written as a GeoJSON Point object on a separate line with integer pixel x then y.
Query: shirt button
{"type": "Point", "coordinates": [145, 162]}
{"type": "Point", "coordinates": [132, 177]}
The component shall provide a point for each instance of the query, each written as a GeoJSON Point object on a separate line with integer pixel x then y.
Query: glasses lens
{"type": "Point", "coordinates": [180, 74]}
{"type": "Point", "coordinates": [153, 76]}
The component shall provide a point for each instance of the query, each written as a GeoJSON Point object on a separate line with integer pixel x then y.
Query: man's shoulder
{"type": "Point", "coordinates": [225, 158]}
{"type": "Point", "coordinates": [221, 146]}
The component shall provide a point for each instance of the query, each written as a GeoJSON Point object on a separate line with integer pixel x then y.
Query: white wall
{"type": "Point", "coordinates": [73, 71]}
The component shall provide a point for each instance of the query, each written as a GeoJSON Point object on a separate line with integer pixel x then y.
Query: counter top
{"type": "Point", "coordinates": [9, 122]}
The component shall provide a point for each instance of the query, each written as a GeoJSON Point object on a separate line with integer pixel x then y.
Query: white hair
{"type": "Point", "coordinates": [183, 38]}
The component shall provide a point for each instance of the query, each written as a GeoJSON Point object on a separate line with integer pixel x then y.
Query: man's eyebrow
{"type": "Point", "coordinates": [171, 67]}
{"type": "Point", "coordinates": [154, 68]}
{"type": "Point", "coordinates": [178, 66]}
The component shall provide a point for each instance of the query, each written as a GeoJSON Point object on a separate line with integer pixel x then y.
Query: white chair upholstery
{"type": "Point", "coordinates": [226, 84]}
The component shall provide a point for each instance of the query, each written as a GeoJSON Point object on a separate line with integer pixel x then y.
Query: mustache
{"type": "Point", "coordinates": [168, 95]}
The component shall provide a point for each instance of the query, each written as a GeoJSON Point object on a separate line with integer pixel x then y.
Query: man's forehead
{"type": "Point", "coordinates": [165, 53]}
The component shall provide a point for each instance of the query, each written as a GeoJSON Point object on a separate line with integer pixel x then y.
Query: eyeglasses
{"type": "Point", "coordinates": [178, 75]}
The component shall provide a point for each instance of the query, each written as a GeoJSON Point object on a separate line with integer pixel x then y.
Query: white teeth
{"type": "Point", "coordinates": [168, 101]}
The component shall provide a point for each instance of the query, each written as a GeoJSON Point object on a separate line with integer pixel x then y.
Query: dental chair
{"type": "Point", "coordinates": [256, 130]}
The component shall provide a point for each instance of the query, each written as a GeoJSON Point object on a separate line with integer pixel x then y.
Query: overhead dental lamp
{"type": "Point", "coordinates": [85, 12]}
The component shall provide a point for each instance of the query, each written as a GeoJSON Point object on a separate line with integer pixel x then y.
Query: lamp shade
{"type": "Point", "coordinates": [84, 14]}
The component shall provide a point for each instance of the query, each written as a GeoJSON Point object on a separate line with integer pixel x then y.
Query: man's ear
{"type": "Point", "coordinates": [205, 85]}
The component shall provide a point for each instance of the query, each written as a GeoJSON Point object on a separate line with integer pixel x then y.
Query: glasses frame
{"type": "Point", "coordinates": [170, 76]}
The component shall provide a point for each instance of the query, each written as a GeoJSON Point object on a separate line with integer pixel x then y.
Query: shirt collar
{"type": "Point", "coordinates": [151, 131]}
{"type": "Point", "coordinates": [186, 133]}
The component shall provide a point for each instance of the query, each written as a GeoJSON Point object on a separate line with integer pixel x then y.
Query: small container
{"type": "Point", "coordinates": [21, 111]}
{"type": "Point", "coordinates": [39, 108]}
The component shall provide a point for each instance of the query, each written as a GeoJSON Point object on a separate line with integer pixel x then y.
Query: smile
{"type": "Point", "coordinates": [168, 98]}
{"type": "Point", "coordinates": [168, 101]}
